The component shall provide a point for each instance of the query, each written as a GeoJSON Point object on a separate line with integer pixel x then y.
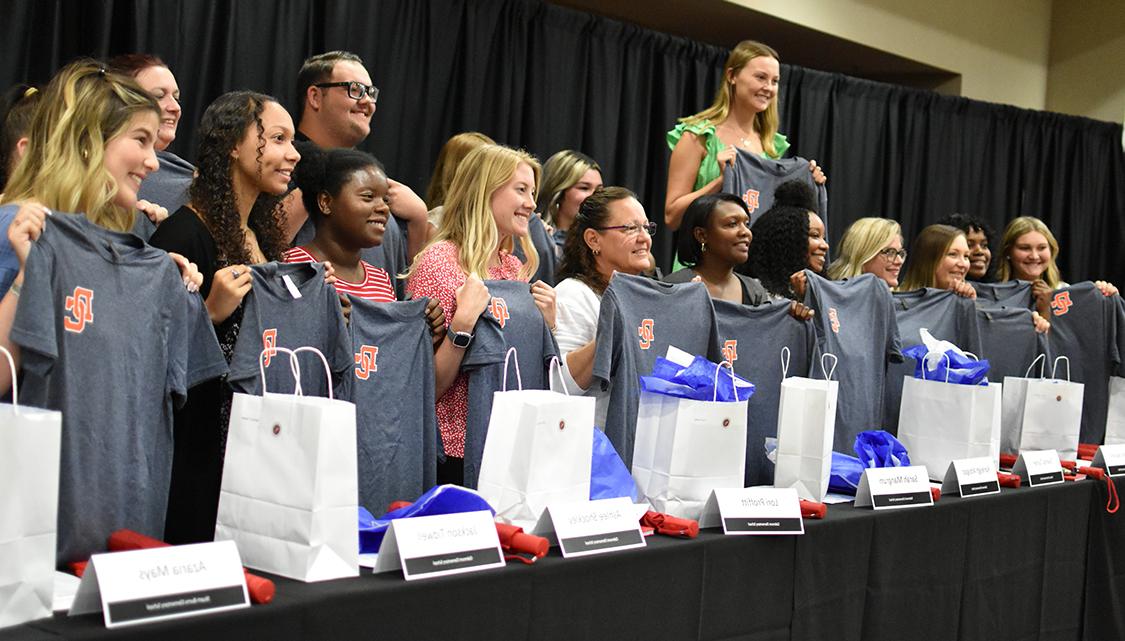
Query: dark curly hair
{"type": "Point", "coordinates": [698, 214]}
{"type": "Point", "coordinates": [326, 171]}
{"type": "Point", "coordinates": [223, 125]}
{"type": "Point", "coordinates": [781, 239]}
{"type": "Point", "coordinates": [578, 259]}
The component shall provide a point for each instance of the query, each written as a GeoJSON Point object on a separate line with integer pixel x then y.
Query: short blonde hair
{"type": "Point", "coordinates": [1018, 227]}
{"type": "Point", "coordinates": [766, 122]}
{"type": "Point", "coordinates": [82, 109]}
{"type": "Point", "coordinates": [468, 221]}
{"type": "Point", "coordinates": [862, 241]}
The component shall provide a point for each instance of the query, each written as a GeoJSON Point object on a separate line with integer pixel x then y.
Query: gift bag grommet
{"type": "Point", "coordinates": [726, 422]}
{"type": "Point", "coordinates": [1058, 398]}
{"type": "Point", "coordinates": [276, 429]}
{"type": "Point", "coordinates": [562, 425]}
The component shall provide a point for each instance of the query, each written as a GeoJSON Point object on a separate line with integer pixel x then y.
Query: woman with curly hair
{"type": "Point", "coordinates": [788, 239]}
{"type": "Point", "coordinates": [233, 218]}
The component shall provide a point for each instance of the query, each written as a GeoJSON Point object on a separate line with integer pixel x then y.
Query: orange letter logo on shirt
{"type": "Point", "coordinates": [645, 333]}
{"type": "Point", "coordinates": [751, 199]}
{"type": "Point", "coordinates": [499, 309]}
{"type": "Point", "coordinates": [365, 362]}
{"type": "Point", "coordinates": [269, 342]}
{"type": "Point", "coordinates": [1061, 303]}
{"type": "Point", "coordinates": [81, 307]}
{"type": "Point", "coordinates": [730, 351]}
{"type": "Point", "coordinates": [834, 319]}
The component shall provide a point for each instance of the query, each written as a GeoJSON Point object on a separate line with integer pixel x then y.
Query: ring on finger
{"type": "Point", "coordinates": [235, 273]}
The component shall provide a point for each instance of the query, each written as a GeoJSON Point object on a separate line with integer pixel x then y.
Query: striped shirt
{"type": "Point", "coordinates": [376, 285]}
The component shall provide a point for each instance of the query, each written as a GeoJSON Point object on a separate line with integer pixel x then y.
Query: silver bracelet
{"type": "Point", "coordinates": [15, 289]}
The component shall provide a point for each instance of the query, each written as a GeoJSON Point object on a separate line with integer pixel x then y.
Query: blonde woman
{"type": "Point", "coordinates": [569, 177]}
{"type": "Point", "coordinates": [1029, 252]}
{"type": "Point", "coordinates": [487, 209]}
{"type": "Point", "coordinates": [870, 246]}
{"type": "Point", "coordinates": [91, 143]}
{"type": "Point", "coordinates": [743, 116]}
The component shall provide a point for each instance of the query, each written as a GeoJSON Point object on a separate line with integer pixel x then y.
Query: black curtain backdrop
{"type": "Point", "coordinates": [545, 78]}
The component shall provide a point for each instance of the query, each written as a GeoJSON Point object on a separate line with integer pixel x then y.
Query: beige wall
{"type": "Point", "coordinates": [1086, 73]}
{"type": "Point", "coordinates": [998, 46]}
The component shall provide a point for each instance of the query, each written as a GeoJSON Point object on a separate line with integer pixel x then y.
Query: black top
{"type": "Point", "coordinates": [752, 291]}
{"type": "Point", "coordinates": [184, 232]}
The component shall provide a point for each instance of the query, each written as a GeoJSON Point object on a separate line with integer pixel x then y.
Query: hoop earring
{"type": "Point", "coordinates": [596, 252]}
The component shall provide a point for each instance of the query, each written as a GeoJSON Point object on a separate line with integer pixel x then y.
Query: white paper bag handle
{"type": "Point", "coordinates": [785, 361]}
{"type": "Point", "coordinates": [15, 383]}
{"type": "Point", "coordinates": [1042, 360]}
{"type": "Point", "coordinates": [519, 379]}
{"type": "Point", "coordinates": [1055, 368]}
{"type": "Point", "coordinates": [293, 366]}
{"type": "Point", "coordinates": [971, 355]}
{"type": "Point", "coordinates": [558, 365]}
{"type": "Point", "coordinates": [715, 382]}
{"type": "Point", "coordinates": [824, 370]}
{"type": "Point", "coordinates": [297, 367]}
{"type": "Point", "coordinates": [925, 366]}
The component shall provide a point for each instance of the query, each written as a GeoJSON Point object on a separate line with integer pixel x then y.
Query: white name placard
{"type": "Point", "coordinates": [757, 510]}
{"type": "Point", "coordinates": [162, 583]}
{"type": "Point", "coordinates": [1111, 458]}
{"type": "Point", "coordinates": [1039, 467]}
{"type": "Point", "coordinates": [592, 527]}
{"type": "Point", "coordinates": [890, 488]}
{"type": "Point", "coordinates": [971, 477]}
{"type": "Point", "coordinates": [429, 546]}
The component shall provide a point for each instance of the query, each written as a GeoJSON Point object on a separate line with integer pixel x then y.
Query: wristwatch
{"type": "Point", "coordinates": [461, 339]}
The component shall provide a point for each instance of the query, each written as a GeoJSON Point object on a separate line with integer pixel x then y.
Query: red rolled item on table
{"type": "Point", "coordinates": [261, 589]}
{"type": "Point", "coordinates": [671, 525]}
{"type": "Point", "coordinates": [399, 504]}
{"type": "Point", "coordinates": [1008, 480]}
{"type": "Point", "coordinates": [1087, 450]}
{"type": "Point", "coordinates": [514, 539]}
{"type": "Point", "coordinates": [813, 510]}
{"type": "Point", "coordinates": [1068, 465]}
{"type": "Point", "coordinates": [1008, 460]}
{"type": "Point", "coordinates": [936, 493]}
{"type": "Point", "coordinates": [1113, 502]}
{"type": "Point", "coordinates": [78, 568]}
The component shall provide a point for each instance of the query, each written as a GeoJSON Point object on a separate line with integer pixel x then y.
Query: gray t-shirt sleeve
{"type": "Point", "coordinates": [34, 325]}
{"type": "Point", "coordinates": [488, 346]}
{"type": "Point", "coordinates": [609, 337]}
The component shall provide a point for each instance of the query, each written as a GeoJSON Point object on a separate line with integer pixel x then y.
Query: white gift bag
{"type": "Point", "coordinates": [940, 422]}
{"type": "Point", "coordinates": [1046, 414]}
{"type": "Point", "coordinates": [1115, 419]}
{"type": "Point", "coordinates": [1011, 406]}
{"type": "Point", "coordinates": [806, 422]}
{"type": "Point", "coordinates": [684, 448]}
{"type": "Point", "coordinates": [30, 441]}
{"type": "Point", "coordinates": [537, 451]}
{"type": "Point", "coordinates": [290, 492]}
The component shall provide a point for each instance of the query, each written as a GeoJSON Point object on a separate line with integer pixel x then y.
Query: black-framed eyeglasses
{"type": "Point", "coordinates": [631, 229]}
{"type": "Point", "coordinates": [356, 90]}
{"type": "Point", "coordinates": [890, 253]}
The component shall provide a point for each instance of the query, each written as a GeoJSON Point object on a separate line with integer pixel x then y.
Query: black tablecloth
{"type": "Point", "coordinates": [1031, 563]}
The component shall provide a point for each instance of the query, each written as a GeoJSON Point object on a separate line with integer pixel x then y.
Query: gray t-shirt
{"type": "Point", "coordinates": [1012, 293]}
{"type": "Point", "coordinates": [949, 317]}
{"type": "Point", "coordinates": [752, 338]}
{"type": "Point", "coordinates": [390, 255]}
{"type": "Point", "coordinates": [1009, 341]}
{"type": "Point", "coordinates": [638, 320]}
{"type": "Point", "coordinates": [111, 338]}
{"type": "Point", "coordinates": [1089, 329]}
{"type": "Point", "coordinates": [752, 291]}
{"type": "Point", "coordinates": [754, 179]}
{"type": "Point", "coordinates": [167, 187]}
{"type": "Point", "coordinates": [392, 386]}
{"type": "Point", "coordinates": [272, 316]}
{"type": "Point", "coordinates": [544, 246]}
{"type": "Point", "coordinates": [855, 320]}
{"type": "Point", "coordinates": [513, 315]}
